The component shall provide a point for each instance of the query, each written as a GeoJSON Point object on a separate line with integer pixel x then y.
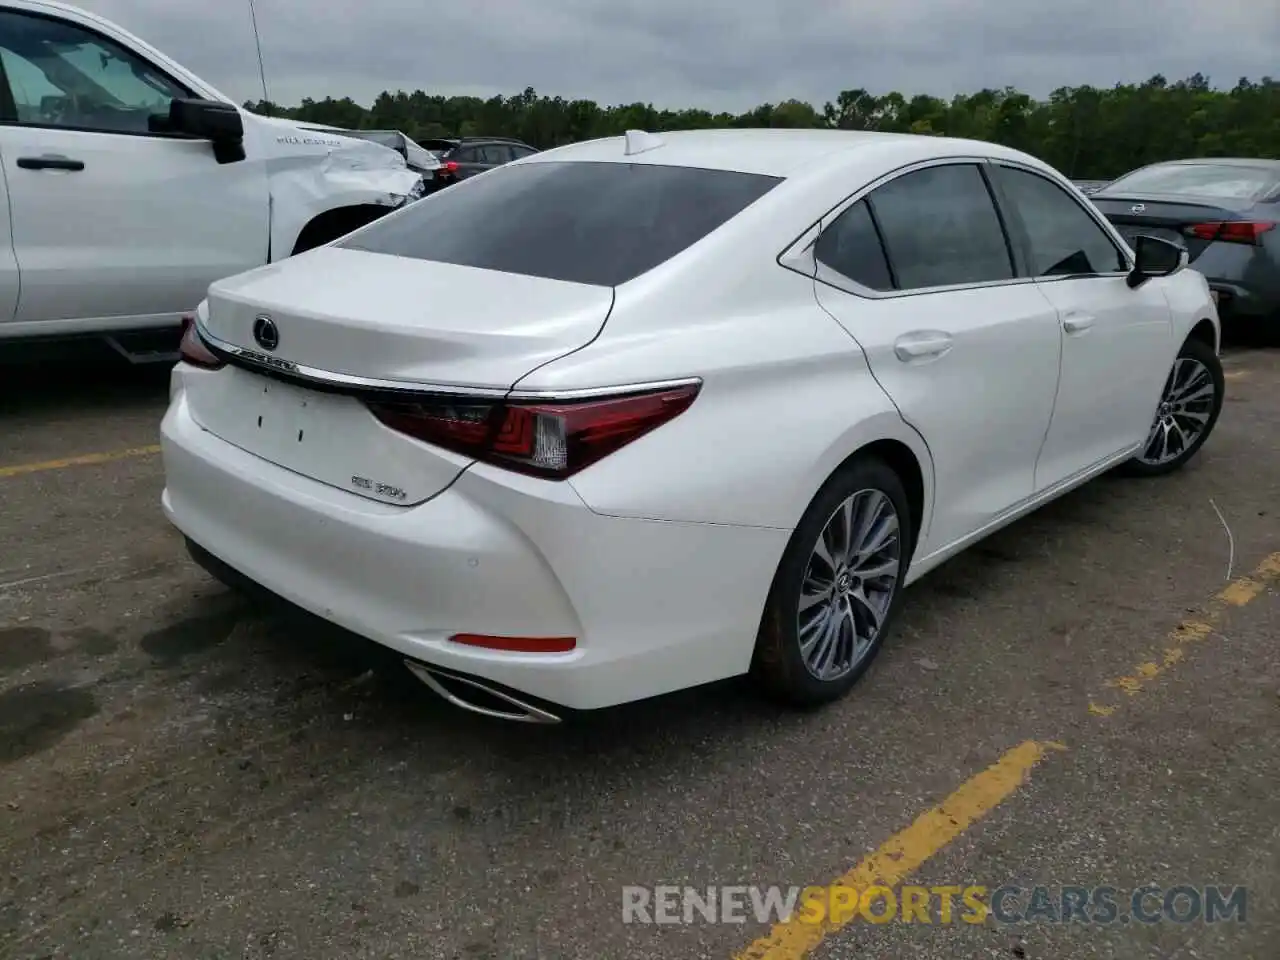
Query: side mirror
{"type": "Point", "coordinates": [1155, 258]}
{"type": "Point", "coordinates": [211, 120]}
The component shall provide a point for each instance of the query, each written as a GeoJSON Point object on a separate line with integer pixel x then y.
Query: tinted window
{"type": "Point", "coordinates": [494, 153]}
{"type": "Point", "coordinates": [65, 76]}
{"type": "Point", "coordinates": [596, 223]}
{"type": "Point", "coordinates": [851, 246]}
{"type": "Point", "coordinates": [940, 227]}
{"type": "Point", "coordinates": [519, 152]}
{"type": "Point", "coordinates": [463, 155]}
{"type": "Point", "coordinates": [1062, 238]}
{"type": "Point", "coordinates": [1227, 181]}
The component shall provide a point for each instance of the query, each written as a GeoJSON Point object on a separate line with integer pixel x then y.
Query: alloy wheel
{"type": "Point", "coordinates": [849, 584]}
{"type": "Point", "coordinates": [1183, 415]}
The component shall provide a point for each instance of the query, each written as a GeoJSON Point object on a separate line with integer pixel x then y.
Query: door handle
{"type": "Point", "coordinates": [922, 345]}
{"type": "Point", "coordinates": [50, 161]}
{"type": "Point", "coordinates": [1077, 322]}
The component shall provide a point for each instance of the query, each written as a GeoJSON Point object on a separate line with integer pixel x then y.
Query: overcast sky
{"type": "Point", "coordinates": [718, 54]}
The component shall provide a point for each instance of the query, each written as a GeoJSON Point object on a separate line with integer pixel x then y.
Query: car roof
{"type": "Point", "coordinates": [474, 140]}
{"type": "Point", "coordinates": [776, 152]}
{"type": "Point", "coordinates": [1222, 161]}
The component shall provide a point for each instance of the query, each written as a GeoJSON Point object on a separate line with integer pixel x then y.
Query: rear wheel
{"type": "Point", "coordinates": [837, 588]}
{"type": "Point", "coordinates": [1188, 411]}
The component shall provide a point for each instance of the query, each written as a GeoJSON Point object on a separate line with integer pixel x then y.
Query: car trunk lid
{"type": "Point", "coordinates": [376, 316]}
{"type": "Point", "coordinates": [351, 326]}
{"type": "Point", "coordinates": [1180, 219]}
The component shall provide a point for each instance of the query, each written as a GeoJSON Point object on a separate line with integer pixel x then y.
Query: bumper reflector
{"type": "Point", "coordinates": [517, 644]}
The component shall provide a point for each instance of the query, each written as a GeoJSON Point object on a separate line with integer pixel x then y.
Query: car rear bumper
{"type": "Point", "coordinates": [1245, 279]}
{"type": "Point", "coordinates": [654, 606]}
{"type": "Point", "coordinates": [1237, 302]}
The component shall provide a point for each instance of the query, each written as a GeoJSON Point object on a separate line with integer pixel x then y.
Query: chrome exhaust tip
{"type": "Point", "coordinates": [520, 712]}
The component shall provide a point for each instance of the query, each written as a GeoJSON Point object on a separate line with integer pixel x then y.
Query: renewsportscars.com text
{"type": "Point", "coordinates": [944, 904]}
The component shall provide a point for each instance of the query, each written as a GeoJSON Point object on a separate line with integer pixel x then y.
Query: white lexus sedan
{"type": "Point", "coordinates": [651, 411]}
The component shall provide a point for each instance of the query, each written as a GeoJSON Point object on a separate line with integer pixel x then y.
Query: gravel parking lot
{"type": "Point", "coordinates": [1091, 697]}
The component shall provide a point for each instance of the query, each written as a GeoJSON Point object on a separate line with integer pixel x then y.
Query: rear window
{"type": "Point", "coordinates": [595, 223]}
{"type": "Point", "coordinates": [1227, 181]}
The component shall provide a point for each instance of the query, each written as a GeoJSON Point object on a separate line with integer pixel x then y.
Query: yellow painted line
{"type": "Point", "coordinates": [81, 461]}
{"type": "Point", "coordinates": [1269, 569]}
{"type": "Point", "coordinates": [1236, 375]}
{"type": "Point", "coordinates": [903, 853]}
{"type": "Point", "coordinates": [1237, 593]}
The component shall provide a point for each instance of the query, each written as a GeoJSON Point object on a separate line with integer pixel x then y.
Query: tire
{"type": "Point", "coordinates": [1176, 416]}
{"type": "Point", "coordinates": [779, 664]}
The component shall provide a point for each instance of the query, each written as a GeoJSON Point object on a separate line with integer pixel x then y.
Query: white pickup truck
{"type": "Point", "coordinates": [129, 184]}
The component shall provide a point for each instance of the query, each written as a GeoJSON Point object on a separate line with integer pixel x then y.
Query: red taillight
{"type": "Point", "coordinates": [451, 166]}
{"type": "Point", "coordinates": [1231, 231]}
{"type": "Point", "coordinates": [192, 349]}
{"type": "Point", "coordinates": [462, 426]}
{"type": "Point", "coordinates": [552, 440]}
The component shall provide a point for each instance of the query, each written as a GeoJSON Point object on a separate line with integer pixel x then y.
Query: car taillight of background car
{"type": "Point", "coordinates": [1231, 231]}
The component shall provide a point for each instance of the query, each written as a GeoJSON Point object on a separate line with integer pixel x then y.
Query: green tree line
{"type": "Point", "coordinates": [1087, 132]}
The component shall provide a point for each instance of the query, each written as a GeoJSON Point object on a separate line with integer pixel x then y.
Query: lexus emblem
{"type": "Point", "coordinates": [265, 332]}
{"type": "Point", "coordinates": [1138, 208]}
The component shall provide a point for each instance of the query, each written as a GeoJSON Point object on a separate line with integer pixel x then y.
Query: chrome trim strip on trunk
{"type": "Point", "coordinates": [328, 379]}
{"type": "Point", "coordinates": [590, 393]}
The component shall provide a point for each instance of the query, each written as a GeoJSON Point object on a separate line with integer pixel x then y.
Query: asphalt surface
{"type": "Point", "coordinates": [185, 774]}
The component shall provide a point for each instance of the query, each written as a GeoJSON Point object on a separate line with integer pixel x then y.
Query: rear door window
{"type": "Point", "coordinates": [940, 228]}
{"type": "Point", "coordinates": [495, 153]}
{"type": "Point", "coordinates": [585, 222]}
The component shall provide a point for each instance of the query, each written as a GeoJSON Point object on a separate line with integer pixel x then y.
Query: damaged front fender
{"type": "Point", "coordinates": [310, 174]}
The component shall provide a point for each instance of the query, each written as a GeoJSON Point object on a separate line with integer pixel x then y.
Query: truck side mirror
{"type": "Point", "coordinates": [211, 120]}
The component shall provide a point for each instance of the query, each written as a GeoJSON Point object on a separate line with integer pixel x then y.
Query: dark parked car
{"type": "Point", "coordinates": [1224, 212]}
{"type": "Point", "coordinates": [467, 156]}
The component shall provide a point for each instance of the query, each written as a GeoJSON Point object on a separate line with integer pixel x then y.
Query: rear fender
{"type": "Point", "coordinates": [791, 374]}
